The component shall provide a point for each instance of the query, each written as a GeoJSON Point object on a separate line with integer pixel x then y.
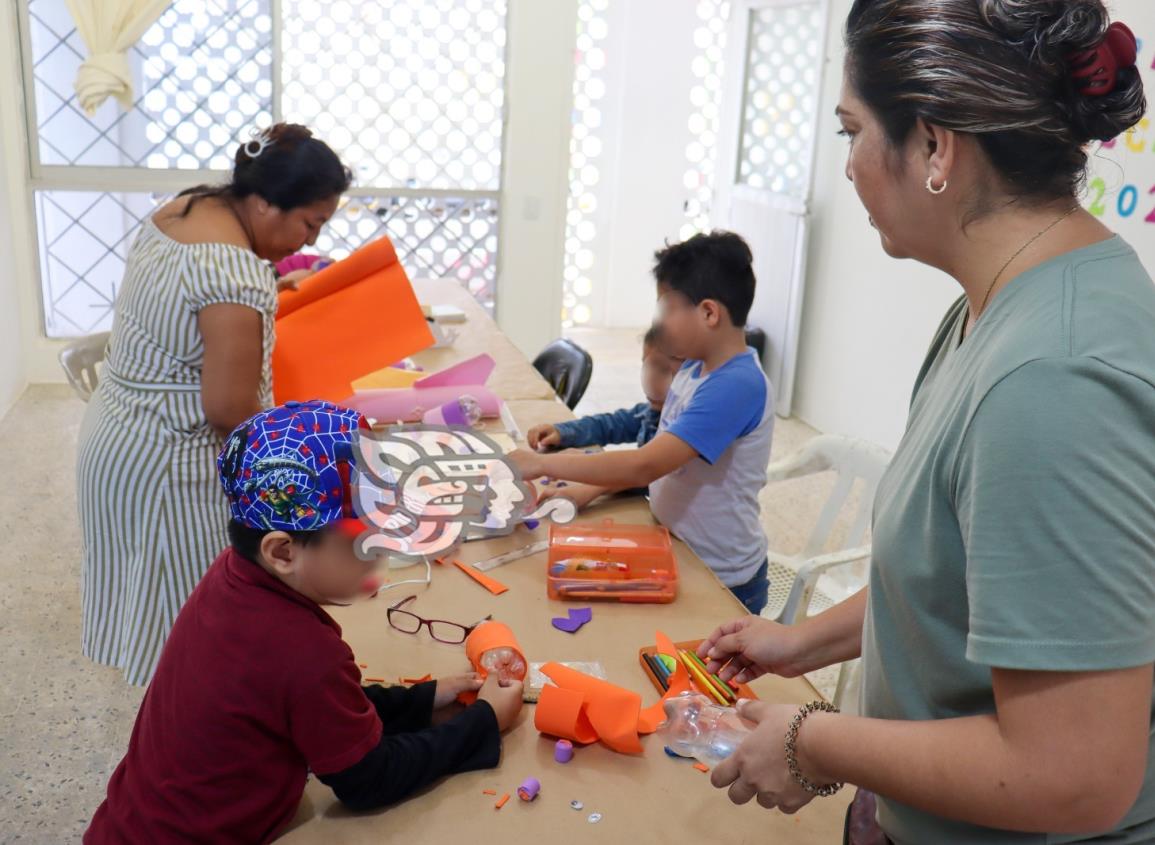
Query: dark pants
{"type": "Point", "coordinates": [755, 593]}
{"type": "Point", "coordinates": [861, 827]}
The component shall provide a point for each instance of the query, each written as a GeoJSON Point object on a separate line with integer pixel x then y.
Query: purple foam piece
{"type": "Point", "coordinates": [531, 524]}
{"type": "Point", "coordinates": [578, 616]}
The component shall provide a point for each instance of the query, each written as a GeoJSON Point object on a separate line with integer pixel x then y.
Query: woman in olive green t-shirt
{"type": "Point", "coordinates": [1008, 631]}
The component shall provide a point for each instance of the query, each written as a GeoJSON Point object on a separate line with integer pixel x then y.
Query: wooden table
{"type": "Point", "coordinates": [643, 799]}
{"type": "Point", "coordinates": [514, 378]}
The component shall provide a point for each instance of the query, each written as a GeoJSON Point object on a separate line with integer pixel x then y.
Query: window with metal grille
{"type": "Point", "coordinates": [410, 93]}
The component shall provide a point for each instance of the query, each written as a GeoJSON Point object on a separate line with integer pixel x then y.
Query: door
{"type": "Point", "coordinates": [767, 140]}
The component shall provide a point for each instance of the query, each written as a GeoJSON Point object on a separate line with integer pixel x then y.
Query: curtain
{"type": "Point", "coordinates": [109, 28]}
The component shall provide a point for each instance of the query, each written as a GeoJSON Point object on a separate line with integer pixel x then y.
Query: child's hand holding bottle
{"type": "Point", "coordinates": [505, 700]}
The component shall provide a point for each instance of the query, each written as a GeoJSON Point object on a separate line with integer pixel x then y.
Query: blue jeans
{"type": "Point", "coordinates": [754, 594]}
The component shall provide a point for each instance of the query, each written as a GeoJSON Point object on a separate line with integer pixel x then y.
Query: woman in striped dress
{"type": "Point", "coordinates": [188, 360]}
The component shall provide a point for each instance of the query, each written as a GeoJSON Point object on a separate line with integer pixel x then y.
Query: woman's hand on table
{"type": "Point", "coordinates": [757, 769]}
{"type": "Point", "coordinates": [542, 437]}
{"type": "Point", "coordinates": [449, 688]}
{"type": "Point", "coordinates": [750, 647]}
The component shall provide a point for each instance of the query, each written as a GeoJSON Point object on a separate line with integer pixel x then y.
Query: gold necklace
{"type": "Point", "coordinates": [1021, 250]}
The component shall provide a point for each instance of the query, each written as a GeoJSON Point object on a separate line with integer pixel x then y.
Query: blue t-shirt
{"type": "Point", "coordinates": [711, 503]}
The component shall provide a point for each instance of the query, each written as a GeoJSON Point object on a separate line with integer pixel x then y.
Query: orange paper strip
{"type": "Point", "coordinates": [352, 318]}
{"type": "Point", "coordinates": [492, 584]}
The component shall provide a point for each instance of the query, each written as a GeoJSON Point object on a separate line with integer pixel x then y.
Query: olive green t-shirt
{"type": "Point", "coordinates": [1015, 527]}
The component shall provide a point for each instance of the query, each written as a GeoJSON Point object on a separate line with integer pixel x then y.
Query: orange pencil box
{"type": "Point", "coordinates": [607, 562]}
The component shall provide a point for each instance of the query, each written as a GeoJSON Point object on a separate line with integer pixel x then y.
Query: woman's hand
{"type": "Point", "coordinates": [751, 646]}
{"type": "Point", "coordinates": [290, 281]}
{"type": "Point", "coordinates": [449, 688]}
{"type": "Point", "coordinates": [757, 769]}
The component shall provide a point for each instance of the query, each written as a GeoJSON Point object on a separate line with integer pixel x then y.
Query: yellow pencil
{"type": "Point", "coordinates": [711, 680]}
{"type": "Point", "coordinates": [703, 683]}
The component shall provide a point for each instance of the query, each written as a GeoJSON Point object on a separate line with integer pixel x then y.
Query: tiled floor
{"type": "Point", "coordinates": [66, 721]}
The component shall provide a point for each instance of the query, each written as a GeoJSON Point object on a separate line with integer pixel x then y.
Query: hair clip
{"type": "Point", "coordinates": [1096, 71]}
{"type": "Point", "coordinates": [261, 141]}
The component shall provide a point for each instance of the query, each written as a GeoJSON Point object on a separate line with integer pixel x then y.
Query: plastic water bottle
{"type": "Point", "coordinates": [504, 662]}
{"type": "Point", "coordinates": [697, 727]}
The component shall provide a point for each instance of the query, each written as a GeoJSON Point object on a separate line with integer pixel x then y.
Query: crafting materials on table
{"type": "Point", "coordinates": [529, 789]}
{"type": "Point", "coordinates": [492, 584]}
{"type": "Point", "coordinates": [409, 404]}
{"type": "Point", "coordinates": [492, 648]}
{"type": "Point", "coordinates": [501, 801]}
{"type": "Point", "coordinates": [536, 679]}
{"type": "Point", "coordinates": [576, 618]}
{"type": "Point", "coordinates": [337, 310]}
{"type": "Point", "coordinates": [660, 673]}
{"type": "Point", "coordinates": [584, 709]}
{"type": "Point", "coordinates": [563, 751]}
{"type": "Point", "coordinates": [627, 563]}
{"type": "Point", "coordinates": [509, 557]}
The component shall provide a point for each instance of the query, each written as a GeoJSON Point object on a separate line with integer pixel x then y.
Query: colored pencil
{"type": "Point", "coordinates": [714, 679]}
{"type": "Point", "coordinates": [700, 681]}
{"type": "Point", "coordinates": [653, 664]}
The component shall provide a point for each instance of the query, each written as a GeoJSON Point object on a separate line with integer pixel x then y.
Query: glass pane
{"type": "Point", "coordinates": [202, 78]}
{"type": "Point", "coordinates": [447, 632]}
{"type": "Point", "coordinates": [435, 237]}
{"type": "Point", "coordinates": [409, 92]}
{"type": "Point", "coordinates": [84, 240]}
{"type": "Point", "coordinates": [783, 60]}
{"type": "Point", "coordinates": [585, 147]}
{"type": "Point", "coordinates": [705, 98]}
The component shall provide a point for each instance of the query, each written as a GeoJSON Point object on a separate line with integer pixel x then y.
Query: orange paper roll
{"type": "Point", "coordinates": [485, 637]}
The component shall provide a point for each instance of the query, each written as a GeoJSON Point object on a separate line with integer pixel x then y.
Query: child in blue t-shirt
{"type": "Point", "coordinates": [707, 463]}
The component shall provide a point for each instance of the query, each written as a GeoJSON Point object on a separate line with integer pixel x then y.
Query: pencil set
{"type": "Point", "coordinates": [660, 667]}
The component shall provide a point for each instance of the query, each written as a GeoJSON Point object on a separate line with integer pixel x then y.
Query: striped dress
{"type": "Point", "coordinates": [152, 511]}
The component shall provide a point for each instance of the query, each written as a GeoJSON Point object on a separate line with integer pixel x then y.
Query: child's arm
{"type": "Point", "coordinates": [403, 708]}
{"type": "Point", "coordinates": [620, 426]}
{"type": "Point", "coordinates": [627, 468]}
{"type": "Point", "coordinates": [402, 763]}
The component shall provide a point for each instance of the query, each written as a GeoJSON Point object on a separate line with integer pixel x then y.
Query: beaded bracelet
{"type": "Point", "coordinates": [792, 757]}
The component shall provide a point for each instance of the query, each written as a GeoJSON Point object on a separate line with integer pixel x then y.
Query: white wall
{"type": "Point", "coordinates": [868, 318]}
{"type": "Point", "coordinates": [651, 50]}
{"type": "Point", "coordinates": [13, 376]}
{"type": "Point", "coordinates": [539, 91]}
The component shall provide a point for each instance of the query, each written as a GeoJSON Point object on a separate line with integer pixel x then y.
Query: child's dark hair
{"type": "Point", "coordinates": [246, 541]}
{"type": "Point", "coordinates": [710, 266]}
{"type": "Point", "coordinates": [292, 170]}
{"type": "Point", "coordinates": [652, 339]}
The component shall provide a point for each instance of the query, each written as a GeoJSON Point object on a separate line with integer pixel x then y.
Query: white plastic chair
{"type": "Point", "coordinates": [79, 360]}
{"type": "Point", "coordinates": [794, 578]}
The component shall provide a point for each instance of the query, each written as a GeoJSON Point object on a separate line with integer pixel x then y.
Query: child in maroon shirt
{"type": "Point", "coordinates": [255, 686]}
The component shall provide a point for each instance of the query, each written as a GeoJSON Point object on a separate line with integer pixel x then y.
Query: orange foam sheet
{"type": "Point", "coordinates": [354, 317]}
{"type": "Point", "coordinates": [585, 709]}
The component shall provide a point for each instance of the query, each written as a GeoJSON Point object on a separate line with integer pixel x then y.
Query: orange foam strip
{"type": "Point", "coordinates": [352, 318]}
{"type": "Point", "coordinates": [612, 711]}
{"type": "Point", "coordinates": [492, 584]}
{"type": "Point", "coordinates": [701, 767]}
{"type": "Point", "coordinates": [488, 792]}
{"type": "Point", "coordinates": [655, 714]}
{"type": "Point", "coordinates": [560, 712]}
{"type": "Point", "coordinates": [501, 801]}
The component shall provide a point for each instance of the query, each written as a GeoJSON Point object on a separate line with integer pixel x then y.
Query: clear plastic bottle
{"type": "Point", "coordinates": [697, 727]}
{"type": "Point", "coordinates": [505, 662]}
